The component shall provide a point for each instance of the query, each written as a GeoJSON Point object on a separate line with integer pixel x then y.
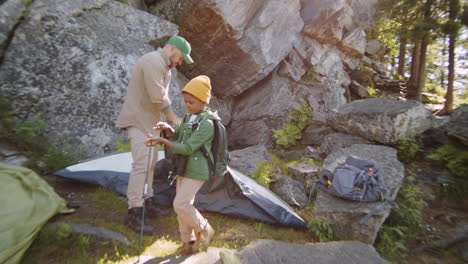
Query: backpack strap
{"type": "Point", "coordinates": [388, 202]}
{"type": "Point", "coordinates": [205, 152]}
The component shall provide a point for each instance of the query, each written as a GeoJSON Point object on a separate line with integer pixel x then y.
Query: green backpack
{"type": "Point", "coordinates": [219, 148]}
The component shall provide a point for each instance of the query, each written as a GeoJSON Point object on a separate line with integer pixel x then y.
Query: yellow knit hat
{"type": "Point", "coordinates": [199, 87]}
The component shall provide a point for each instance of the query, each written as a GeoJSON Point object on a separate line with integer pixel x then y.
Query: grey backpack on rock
{"type": "Point", "coordinates": [358, 180]}
{"type": "Point", "coordinates": [355, 179]}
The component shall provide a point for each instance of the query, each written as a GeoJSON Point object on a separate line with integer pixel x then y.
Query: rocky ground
{"type": "Point", "coordinates": [447, 222]}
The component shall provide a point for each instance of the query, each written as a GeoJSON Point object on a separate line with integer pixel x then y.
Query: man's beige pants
{"type": "Point", "coordinates": [137, 178]}
{"type": "Point", "coordinates": [189, 218]}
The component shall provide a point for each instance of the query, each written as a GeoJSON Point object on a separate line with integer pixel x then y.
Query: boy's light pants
{"type": "Point", "coordinates": [137, 178]}
{"type": "Point", "coordinates": [189, 218]}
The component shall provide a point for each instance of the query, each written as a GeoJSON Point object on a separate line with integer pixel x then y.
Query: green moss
{"type": "Point", "coordinates": [311, 77]}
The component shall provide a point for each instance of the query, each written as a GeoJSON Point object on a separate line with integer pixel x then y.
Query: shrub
{"type": "Point", "coordinates": [25, 135]}
{"type": "Point", "coordinates": [391, 242]}
{"type": "Point", "coordinates": [393, 236]}
{"type": "Point", "coordinates": [407, 148]}
{"type": "Point", "coordinates": [455, 159]}
{"type": "Point", "coordinates": [321, 229]}
{"type": "Point", "coordinates": [291, 131]}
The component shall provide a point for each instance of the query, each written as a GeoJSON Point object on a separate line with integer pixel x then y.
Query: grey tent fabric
{"type": "Point", "coordinates": [235, 194]}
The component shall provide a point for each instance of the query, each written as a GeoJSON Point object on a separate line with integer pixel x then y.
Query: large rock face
{"type": "Point", "coordinates": [70, 62]}
{"type": "Point", "coordinates": [10, 13]}
{"type": "Point", "coordinates": [457, 128]}
{"type": "Point", "coordinates": [247, 160]}
{"type": "Point", "coordinates": [384, 120]}
{"type": "Point", "coordinates": [259, 110]}
{"type": "Point", "coordinates": [344, 215]}
{"type": "Point", "coordinates": [236, 43]}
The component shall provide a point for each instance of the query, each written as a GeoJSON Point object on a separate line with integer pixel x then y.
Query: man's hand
{"type": "Point", "coordinates": [152, 140]}
{"type": "Point", "coordinates": [173, 118]}
{"type": "Point", "coordinates": [165, 127]}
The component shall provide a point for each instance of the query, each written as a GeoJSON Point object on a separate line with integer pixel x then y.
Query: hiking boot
{"type": "Point", "coordinates": [133, 221]}
{"type": "Point", "coordinates": [203, 238]}
{"type": "Point", "coordinates": [152, 211]}
{"type": "Point", "coordinates": [186, 248]}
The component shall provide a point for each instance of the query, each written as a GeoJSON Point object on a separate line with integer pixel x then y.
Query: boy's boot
{"type": "Point", "coordinates": [133, 220]}
{"type": "Point", "coordinates": [153, 211]}
{"type": "Point", "coordinates": [203, 238]}
{"type": "Point", "coordinates": [186, 248]}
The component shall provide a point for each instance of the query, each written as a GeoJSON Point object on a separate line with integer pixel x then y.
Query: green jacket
{"type": "Point", "coordinates": [189, 143]}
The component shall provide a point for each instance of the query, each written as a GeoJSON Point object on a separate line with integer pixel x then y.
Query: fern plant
{"type": "Point", "coordinates": [408, 148]}
{"type": "Point", "coordinates": [321, 229]}
{"type": "Point", "coordinates": [454, 158]}
{"type": "Point", "coordinates": [393, 236]}
{"type": "Point", "coordinates": [291, 131]}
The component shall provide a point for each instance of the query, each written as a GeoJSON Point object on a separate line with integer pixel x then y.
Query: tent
{"type": "Point", "coordinates": [27, 204]}
{"type": "Point", "coordinates": [235, 194]}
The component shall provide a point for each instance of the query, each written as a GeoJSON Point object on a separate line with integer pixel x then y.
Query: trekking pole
{"type": "Point", "coordinates": [145, 191]}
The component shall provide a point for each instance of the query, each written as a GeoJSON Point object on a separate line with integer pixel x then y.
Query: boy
{"type": "Point", "coordinates": [194, 229]}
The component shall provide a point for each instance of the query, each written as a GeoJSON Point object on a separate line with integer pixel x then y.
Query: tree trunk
{"type": "Point", "coordinates": [415, 61]}
{"type": "Point", "coordinates": [402, 57]}
{"type": "Point", "coordinates": [422, 62]}
{"type": "Point", "coordinates": [422, 70]}
{"type": "Point", "coordinates": [442, 70]}
{"type": "Point", "coordinates": [448, 106]}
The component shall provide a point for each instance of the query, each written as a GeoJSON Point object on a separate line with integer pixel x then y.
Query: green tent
{"type": "Point", "coordinates": [26, 203]}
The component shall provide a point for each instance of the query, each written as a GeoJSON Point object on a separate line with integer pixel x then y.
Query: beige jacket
{"type": "Point", "coordinates": [148, 92]}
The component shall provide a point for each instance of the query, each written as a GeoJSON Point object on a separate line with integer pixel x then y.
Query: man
{"type": "Point", "coordinates": [146, 103]}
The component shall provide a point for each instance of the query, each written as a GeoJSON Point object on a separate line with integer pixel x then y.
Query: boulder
{"type": "Point", "coordinates": [138, 4]}
{"type": "Point", "coordinates": [70, 63]}
{"type": "Point", "coordinates": [359, 90]}
{"type": "Point", "coordinates": [10, 13]}
{"type": "Point", "coordinates": [223, 107]}
{"type": "Point", "coordinates": [335, 141]}
{"type": "Point", "coordinates": [373, 46]}
{"type": "Point", "coordinates": [457, 128]}
{"type": "Point", "coordinates": [290, 191]}
{"type": "Point", "coordinates": [270, 251]}
{"type": "Point", "coordinates": [246, 160]}
{"type": "Point", "coordinates": [313, 134]}
{"type": "Point", "coordinates": [325, 21]}
{"type": "Point", "coordinates": [9, 155]}
{"type": "Point", "coordinates": [354, 43]}
{"type": "Point", "coordinates": [363, 12]}
{"type": "Point", "coordinates": [292, 66]}
{"type": "Point", "coordinates": [384, 120]}
{"type": "Point", "coordinates": [344, 215]}
{"type": "Point", "coordinates": [304, 172]}
{"type": "Point", "coordinates": [311, 153]}
{"type": "Point", "coordinates": [261, 109]}
{"type": "Point", "coordinates": [236, 43]}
